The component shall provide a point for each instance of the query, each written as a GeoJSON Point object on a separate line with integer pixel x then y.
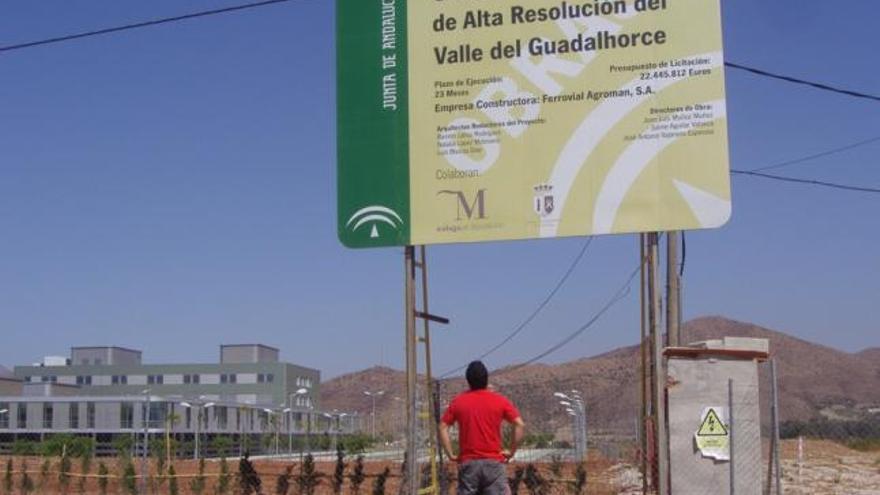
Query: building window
{"type": "Point", "coordinates": [73, 415]}
{"type": "Point", "coordinates": [90, 415]}
{"type": "Point", "coordinates": [84, 361]}
{"type": "Point", "coordinates": [188, 419]}
{"type": "Point", "coordinates": [4, 416]}
{"type": "Point", "coordinates": [97, 360]}
{"type": "Point", "coordinates": [265, 378]}
{"type": "Point", "coordinates": [21, 415]}
{"type": "Point", "coordinates": [191, 379]}
{"type": "Point", "coordinates": [119, 380]}
{"type": "Point", "coordinates": [156, 379]}
{"type": "Point", "coordinates": [84, 380]}
{"type": "Point", "coordinates": [221, 417]}
{"type": "Point", "coordinates": [228, 378]}
{"type": "Point", "coordinates": [49, 379]}
{"type": "Point", "coordinates": [48, 413]}
{"type": "Point", "coordinates": [126, 415]}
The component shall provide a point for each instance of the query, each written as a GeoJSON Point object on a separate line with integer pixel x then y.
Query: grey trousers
{"type": "Point", "coordinates": [482, 477]}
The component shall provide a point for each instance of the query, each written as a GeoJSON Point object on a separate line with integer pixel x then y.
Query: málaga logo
{"type": "Point", "coordinates": [372, 216]}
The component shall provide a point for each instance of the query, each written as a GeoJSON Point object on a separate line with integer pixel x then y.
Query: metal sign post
{"type": "Point", "coordinates": [411, 480]}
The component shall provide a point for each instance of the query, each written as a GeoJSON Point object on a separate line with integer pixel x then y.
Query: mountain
{"type": "Point", "coordinates": [811, 378]}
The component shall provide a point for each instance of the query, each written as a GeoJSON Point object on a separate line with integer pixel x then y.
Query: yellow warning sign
{"type": "Point", "coordinates": [713, 435]}
{"type": "Point", "coordinates": [712, 425]}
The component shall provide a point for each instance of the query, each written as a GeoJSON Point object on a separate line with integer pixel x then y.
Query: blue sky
{"type": "Point", "coordinates": [173, 188]}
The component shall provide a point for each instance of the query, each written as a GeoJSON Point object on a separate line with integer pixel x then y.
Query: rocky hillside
{"type": "Point", "coordinates": [811, 378]}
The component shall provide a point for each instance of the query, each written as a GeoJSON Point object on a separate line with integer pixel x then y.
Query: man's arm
{"type": "Point", "coordinates": [519, 428]}
{"type": "Point", "coordinates": [446, 443]}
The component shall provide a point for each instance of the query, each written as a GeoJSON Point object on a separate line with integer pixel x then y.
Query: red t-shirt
{"type": "Point", "coordinates": [479, 414]}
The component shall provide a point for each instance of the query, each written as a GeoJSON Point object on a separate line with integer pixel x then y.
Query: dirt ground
{"type": "Point", "coordinates": [825, 468]}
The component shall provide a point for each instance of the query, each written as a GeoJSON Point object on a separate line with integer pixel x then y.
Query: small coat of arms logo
{"type": "Point", "coordinates": [543, 201]}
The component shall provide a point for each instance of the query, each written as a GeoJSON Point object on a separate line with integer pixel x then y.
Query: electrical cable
{"type": "Point", "coordinates": [137, 25]}
{"type": "Point", "coordinates": [817, 155]}
{"type": "Point", "coordinates": [519, 328]}
{"type": "Point", "coordinates": [795, 80]}
{"type": "Point", "coordinates": [813, 182]}
{"type": "Point", "coordinates": [619, 295]}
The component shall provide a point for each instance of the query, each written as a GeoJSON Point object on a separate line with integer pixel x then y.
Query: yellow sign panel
{"type": "Point", "coordinates": [547, 118]}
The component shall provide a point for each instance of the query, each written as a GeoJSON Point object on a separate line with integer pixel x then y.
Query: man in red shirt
{"type": "Point", "coordinates": [479, 413]}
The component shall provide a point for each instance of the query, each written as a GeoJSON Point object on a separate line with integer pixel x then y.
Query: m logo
{"type": "Point", "coordinates": [469, 208]}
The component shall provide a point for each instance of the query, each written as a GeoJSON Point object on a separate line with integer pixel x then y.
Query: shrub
{"type": "Point", "coordinates": [123, 444]}
{"type": "Point", "coordinates": [357, 477]}
{"type": "Point", "coordinates": [85, 465]}
{"type": "Point", "coordinates": [103, 479]}
{"type": "Point", "coordinates": [339, 471]}
{"type": "Point", "coordinates": [379, 482]}
{"type": "Point", "coordinates": [129, 481]}
{"type": "Point", "coordinates": [308, 478]}
{"type": "Point", "coordinates": [64, 473]}
{"type": "Point", "coordinates": [27, 484]}
{"type": "Point", "coordinates": [24, 447]}
{"type": "Point", "coordinates": [223, 479]}
{"type": "Point", "coordinates": [248, 479]}
{"type": "Point", "coordinates": [282, 485]}
{"type": "Point", "coordinates": [556, 465]}
{"type": "Point", "coordinates": [516, 480]}
{"type": "Point", "coordinates": [44, 474]}
{"type": "Point", "coordinates": [65, 444]}
{"type": "Point", "coordinates": [534, 482]}
{"type": "Point", "coordinates": [197, 484]}
{"type": "Point", "coordinates": [172, 481]}
{"type": "Point", "coordinates": [221, 445]}
{"type": "Point", "coordinates": [577, 486]}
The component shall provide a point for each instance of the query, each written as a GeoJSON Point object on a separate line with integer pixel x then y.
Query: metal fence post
{"type": "Point", "coordinates": [730, 432]}
{"type": "Point", "coordinates": [775, 417]}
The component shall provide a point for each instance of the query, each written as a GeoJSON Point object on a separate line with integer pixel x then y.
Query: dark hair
{"type": "Point", "coordinates": [477, 375]}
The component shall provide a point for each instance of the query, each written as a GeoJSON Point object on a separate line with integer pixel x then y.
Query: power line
{"type": "Point", "coordinates": [817, 155]}
{"type": "Point", "coordinates": [795, 80]}
{"type": "Point", "coordinates": [813, 182]}
{"type": "Point", "coordinates": [138, 25]}
{"type": "Point", "coordinates": [519, 328]}
{"type": "Point", "coordinates": [619, 295]}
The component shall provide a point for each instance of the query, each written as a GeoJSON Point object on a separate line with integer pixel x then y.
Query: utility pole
{"type": "Point", "coordinates": [659, 381]}
{"type": "Point", "coordinates": [673, 290]}
{"type": "Point", "coordinates": [411, 481]}
{"type": "Point", "coordinates": [643, 375]}
{"type": "Point", "coordinates": [146, 446]}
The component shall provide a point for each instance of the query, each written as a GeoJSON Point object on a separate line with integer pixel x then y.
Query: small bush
{"type": "Point", "coordinates": [223, 479]}
{"type": "Point", "coordinates": [172, 481]}
{"type": "Point", "coordinates": [103, 481]}
{"type": "Point", "coordinates": [282, 485]}
{"type": "Point", "coordinates": [516, 480]}
{"type": "Point", "coordinates": [44, 474]}
{"type": "Point", "coordinates": [534, 482]}
{"type": "Point", "coordinates": [7, 478]}
{"type": "Point", "coordinates": [357, 476]}
{"type": "Point", "coordinates": [577, 486]}
{"type": "Point", "coordinates": [248, 479]}
{"type": "Point", "coordinates": [129, 480]}
{"type": "Point", "coordinates": [379, 482]}
{"type": "Point", "coordinates": [24, 447]}
{"type": "Point", "coordinates": [339, 471]}
{"type": "Point", "coordinates": [64, 473]}
{"type": "Point", "coordinates": [556, 465]}
{"type": "Point", "coordinates": [85, 465]}
{"type": "Point", "coordinates": [27, 484]}
{"type": "Point", "coordinates": [308, 478]}
{"type": "Point", "coordinates": [197, 484]}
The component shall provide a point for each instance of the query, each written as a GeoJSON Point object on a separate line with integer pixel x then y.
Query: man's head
{"type": "Point", "coordinates": [477, 375]}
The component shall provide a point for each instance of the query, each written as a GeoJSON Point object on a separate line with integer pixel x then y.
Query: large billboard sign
{"type": "Point", "coordinates": [480, 120]}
